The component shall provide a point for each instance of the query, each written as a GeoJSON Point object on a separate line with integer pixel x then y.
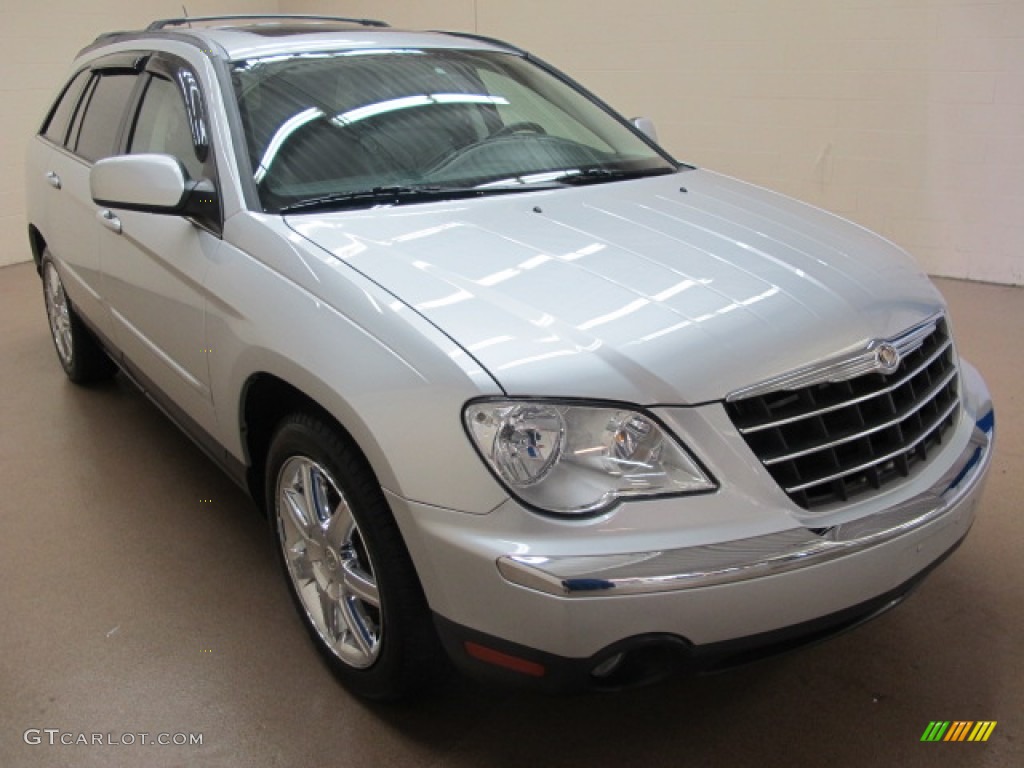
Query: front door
{"type": "Point", "coordinates": [154, 266]}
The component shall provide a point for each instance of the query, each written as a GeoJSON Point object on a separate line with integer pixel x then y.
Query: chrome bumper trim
{"type": "Point", "coordinates": [678, 569]}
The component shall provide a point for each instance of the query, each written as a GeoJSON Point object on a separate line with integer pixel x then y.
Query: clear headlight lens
{"type": "Point", "coordinates": [572, 459]}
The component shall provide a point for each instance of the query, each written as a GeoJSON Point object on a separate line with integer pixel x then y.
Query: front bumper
{"type": "Point", "coordinates": [577, 594]}
{"type": "Point", "coordinates": [758, 556]}
{"type": "Point", "coordinates": [643, 659]}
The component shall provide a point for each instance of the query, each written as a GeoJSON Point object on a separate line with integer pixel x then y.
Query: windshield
{"type": "Point", "coordinates": [340, 126]}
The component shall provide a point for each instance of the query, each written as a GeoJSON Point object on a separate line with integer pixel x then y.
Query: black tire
{"type": "Point", "coordinates": [346, 564]}
{"type": "Point", "coordinates": [78, 352]}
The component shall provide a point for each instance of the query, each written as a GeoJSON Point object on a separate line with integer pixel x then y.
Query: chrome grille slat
{"type": "Point", "coordinates": [843, 367]}
{"type": "Point", "coordinates": [877, 428]}
{"type": "Point", "coordinates": [863, 398]}
{"type": "Point", "coordinates": [832, 440]}
{"type": "Point", "coordinates": [910, 447]}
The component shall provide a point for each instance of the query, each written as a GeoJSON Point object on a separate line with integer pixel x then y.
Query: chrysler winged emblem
{"type": "Point", "coordinates": [887, 358]}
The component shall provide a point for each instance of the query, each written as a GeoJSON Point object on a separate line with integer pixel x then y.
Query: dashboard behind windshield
{"type": "Point", "coordinates": [330, 124]}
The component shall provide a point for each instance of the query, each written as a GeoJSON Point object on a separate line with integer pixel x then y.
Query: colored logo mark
{"type": "Point", "coordinates": [958, 730]}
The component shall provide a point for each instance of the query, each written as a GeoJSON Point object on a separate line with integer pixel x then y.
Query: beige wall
{"type": "Point", "coordinates": [905, 115]}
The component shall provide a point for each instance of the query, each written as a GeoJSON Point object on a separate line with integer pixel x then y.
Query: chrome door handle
{"type": "Point", "coordinates": [53, 179]}
{"type": "Point", "coordinates": [109, 220]}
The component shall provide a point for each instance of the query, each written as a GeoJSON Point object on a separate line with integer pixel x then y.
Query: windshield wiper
{"type": "Point", "coordinates": [395, 195]}
{"type": "Point", "coordinates": [599, 175]}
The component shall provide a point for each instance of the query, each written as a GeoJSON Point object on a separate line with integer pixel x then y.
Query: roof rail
{"type": "Point", "coordinates": [482, 39]}
{"type": "Point", "coordinates": [187, 20]}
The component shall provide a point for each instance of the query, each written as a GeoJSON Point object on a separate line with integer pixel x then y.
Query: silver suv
{"type": "Point", "coordinates": [516, 389]}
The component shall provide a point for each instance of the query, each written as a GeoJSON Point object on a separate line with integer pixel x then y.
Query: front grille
{"type": "Point", "coordinates": [828, 442]}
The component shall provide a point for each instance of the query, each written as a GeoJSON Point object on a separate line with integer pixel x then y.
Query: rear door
{"type": "Point", "coordinates": [84, 126]}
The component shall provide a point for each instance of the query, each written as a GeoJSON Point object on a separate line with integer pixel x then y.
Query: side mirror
{"type": "Point", "coordinates": [149, 183]}
{"type": "Point", "coordinates": [646, 126]}
{"type": "Point", "coordinates": [152, 183]}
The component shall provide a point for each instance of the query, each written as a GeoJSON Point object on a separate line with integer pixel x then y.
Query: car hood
{"type": "Point", "coordinates": [667, 290]}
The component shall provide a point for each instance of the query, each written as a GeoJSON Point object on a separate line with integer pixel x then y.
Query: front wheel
{"type": "Point", "coordinates": [346, 563]}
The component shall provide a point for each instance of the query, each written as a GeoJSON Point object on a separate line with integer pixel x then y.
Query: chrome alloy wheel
{"type": "Point", "coordinates": [328, 562]}
{"type": "Point", "coordinates": [59, 313]}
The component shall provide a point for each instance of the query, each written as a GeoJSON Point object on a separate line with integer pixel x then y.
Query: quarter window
{"type": "Point", "coordinates": [56, 129]}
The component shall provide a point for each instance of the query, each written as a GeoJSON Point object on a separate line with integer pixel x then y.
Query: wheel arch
{"type": "Point", "coordinates": [37, 243]}
{"type": "Point", "coordinates": [267, 399]}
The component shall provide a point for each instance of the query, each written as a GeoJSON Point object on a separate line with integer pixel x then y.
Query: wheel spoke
{"type": "Point", "coordinates": [300, 537]}
{"type": "Point", "coordinates": [340, 526]}
{"type": "Point", "coordinates": [359, 585]}
{"type": "Point", "coordinates": [332, 617]}
{"type": "Point", "coordinates": [359, 630]}
{"type": "Point", "coordinates": [300, 561]}
{"type": "Point", "coordinates": [317, 492]}
{"type": "Point", "coordinates": [298, 498]}
{"type": "Point", "coordinates": [294, 503]}
{"type": "Point", "coordinates": [307, 485]}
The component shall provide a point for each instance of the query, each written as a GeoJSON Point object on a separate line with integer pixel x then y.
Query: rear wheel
{"type": "Point", "coordinates": [80, 355]}
{"type": "Point", "coordinates": [346, 563]}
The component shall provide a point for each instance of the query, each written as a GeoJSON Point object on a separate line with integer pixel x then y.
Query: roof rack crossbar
{"type": "Point", "coordinates": [182, 21]}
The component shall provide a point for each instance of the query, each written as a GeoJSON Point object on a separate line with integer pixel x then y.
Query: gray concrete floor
{"type": "Point", "coordinates": [131, 605]}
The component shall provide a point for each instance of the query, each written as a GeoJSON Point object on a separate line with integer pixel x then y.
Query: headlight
{"type": "Point", "coordinates": [573, 459]}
